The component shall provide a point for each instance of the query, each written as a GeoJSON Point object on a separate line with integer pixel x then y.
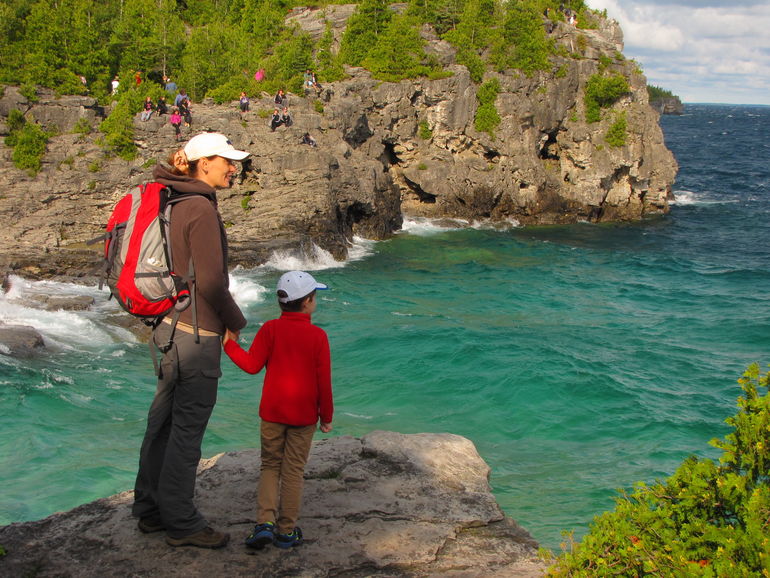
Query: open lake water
{"type": "Point", "coordinates": [579, 359]}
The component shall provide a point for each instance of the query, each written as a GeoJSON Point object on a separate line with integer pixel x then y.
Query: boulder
{"type": "Point", "coordinates": [20, 341]}
{"type": "Point", "coordinates": [386, 504]}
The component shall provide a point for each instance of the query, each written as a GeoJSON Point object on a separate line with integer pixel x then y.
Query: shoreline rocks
{"type": "Point", "coordinates": [386, 504]}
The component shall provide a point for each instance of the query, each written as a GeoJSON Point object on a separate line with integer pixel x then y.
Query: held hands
{"type": "Point", "coordinates": [325, 427]}
{"type": "Point", "coordinates": [230, 336]}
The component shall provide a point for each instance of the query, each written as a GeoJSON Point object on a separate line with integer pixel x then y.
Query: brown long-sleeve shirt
{"type": "Point", "coordinates": [197, 231]}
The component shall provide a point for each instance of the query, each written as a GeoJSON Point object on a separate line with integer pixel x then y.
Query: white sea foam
{"type": "Point", "coordinates": [361, 248]}
{"type": "Point", "coordinates": [685, 198]}
{"type": "Point", "coordinates": [245, 289]}
{"type": "Point", "coordinates": [358, 416]}
{"type": "Point", "coordinates": [504, 225]}
{"type": "Point", "coordinates": [316, 258]}
{"type": "Point", "coordinates": [61, 329]}
{"type": "Point", "coordinates": [424, 226]}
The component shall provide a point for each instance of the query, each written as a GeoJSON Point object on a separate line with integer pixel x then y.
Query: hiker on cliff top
{"type": "Point", "coordinates": [275, 120]}
{"type": "Point", "coordinates": [147, 109]}
{"type": "Point", "coordinates": [161, 107]}
{"type": "Point", "coordinates": [180, 97]}
{"type": "Point", "coordinates": [190, 370]}
{"type": "Point", "coordinates": [296, 396]}
{"type": "Point", "coordinates": [243, 103]}
{"type": "Point", "coordinates": [308, 140]}
{"type": "Point", "coordinates": [280, 98]}
{"type": "Point", "coordinates": [176, 121]}
{"type": "Point", "coordinates": [286, 117]}
{"type": "Point", "coordinates": [184, 110]}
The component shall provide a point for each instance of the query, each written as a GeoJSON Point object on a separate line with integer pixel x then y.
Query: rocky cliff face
{"type": "Point", "coordinates": [386, 504]}
{"type": "Point", "coordinates": [373, 164]}
{"type": "Point", "coordinates": [668, 105]}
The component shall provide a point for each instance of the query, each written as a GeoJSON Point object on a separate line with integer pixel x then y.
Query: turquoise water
{"type": "Point", "coordinates": [578, 359]}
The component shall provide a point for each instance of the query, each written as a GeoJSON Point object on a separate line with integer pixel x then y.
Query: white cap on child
{"type": "Point", "coordinates": [296, 285]}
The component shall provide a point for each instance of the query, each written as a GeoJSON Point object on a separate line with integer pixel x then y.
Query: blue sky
{"type": "Point", "coordinates": [702, 51]}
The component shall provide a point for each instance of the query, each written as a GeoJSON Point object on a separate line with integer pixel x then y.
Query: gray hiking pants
{"type": "Point", "coordinates": [179, 414]}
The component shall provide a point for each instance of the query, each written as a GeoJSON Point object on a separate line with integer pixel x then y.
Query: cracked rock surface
{"type": "Point", "coordinates": [386, 504]}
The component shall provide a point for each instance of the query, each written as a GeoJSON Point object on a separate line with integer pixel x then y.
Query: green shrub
{"type": "Point", "coordinates": [318, 106]}
{"type": "Point", "coordinates": [82, 127]}
{"type": "Point", "coordinates": [618, 131]}
{"type": "Point", "coordinates": [28, 141]}
{"type": "Point", "coordinates": [473, 62]}
{"type": "Point", "coordinates": [487, 118]}
{"type": "Point", "coordinates": [422, 167]}
{"type": "Point", "coordinates": [706, 520]}
{"type": "Point", "coordinates": [602, 92]}
{"type": "Point", "coordinates": [424, 131]}
{"type": "Point", "coordinates": [118, 127]}
{"type": "Point", "coordinates": [15, 122]}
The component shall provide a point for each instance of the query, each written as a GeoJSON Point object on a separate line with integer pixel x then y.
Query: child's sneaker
{"type": "Point", "coordinates": [262, 535]}
{"type": "Point", "coordinates": [293, 538]}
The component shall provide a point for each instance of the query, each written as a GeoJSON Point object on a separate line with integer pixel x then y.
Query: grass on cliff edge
{"type": "Point", "coordinates": [705, 520]}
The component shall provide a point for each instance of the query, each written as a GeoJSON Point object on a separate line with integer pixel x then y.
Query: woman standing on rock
{"type": "Point", "coordinates": [190, 369]}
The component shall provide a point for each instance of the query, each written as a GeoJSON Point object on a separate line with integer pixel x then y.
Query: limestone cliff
{"type": "Point", "coordinates": [386, 504]}
{"type": "Point", "coordinates": [384, 150]}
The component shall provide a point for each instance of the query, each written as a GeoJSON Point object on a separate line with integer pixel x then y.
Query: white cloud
{"type": "Point", "coordinates": [703, 51]}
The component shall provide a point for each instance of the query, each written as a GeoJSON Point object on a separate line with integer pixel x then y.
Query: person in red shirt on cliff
{"type": "Point", "coordinates": [297, 392]}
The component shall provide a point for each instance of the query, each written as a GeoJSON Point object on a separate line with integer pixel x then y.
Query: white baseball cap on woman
{"type": "Point", "coordinates": [211, 144]}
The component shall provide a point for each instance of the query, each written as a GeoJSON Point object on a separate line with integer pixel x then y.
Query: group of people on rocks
{"type": "Point", "coordinates": [181, 111]}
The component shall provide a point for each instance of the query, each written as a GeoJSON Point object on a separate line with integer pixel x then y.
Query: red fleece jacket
{"type": "Point", "coordinates": [298, 381]}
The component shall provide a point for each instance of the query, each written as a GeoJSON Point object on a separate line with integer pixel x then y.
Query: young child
{"type": "Point", "coordinates": [176, 121]}
{"type": "Point", "coordinates": [297, 391]}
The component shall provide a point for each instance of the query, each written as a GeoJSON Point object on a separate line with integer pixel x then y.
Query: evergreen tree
{"type": "Point", "coordinates": [524, 44]}
{"type": "Point", "coordinates": [211, 58]}
{"type": "Point", "coordinates": [148, 36]}
{"type": "Point", "coordinates": [398, 52]}
{"type": "Point", "coordinates": [443, 15]}
{"type": "Point", "coordinates": [364, 27]}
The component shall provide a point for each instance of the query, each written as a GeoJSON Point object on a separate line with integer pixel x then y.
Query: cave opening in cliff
{"type": "Point", "coordinates": [422, 195]}
{"type": "Point", "coordinates": [389, 156]}
{"type": "Point", "coordinates": [491, 155]}
{"type": "Point", "coordinates": [355, 213]}
{"type": "Point", "coordinates": [549, 147]}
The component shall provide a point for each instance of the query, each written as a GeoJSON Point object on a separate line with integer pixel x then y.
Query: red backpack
{"type": "Point", "coordinates": [138, 266]}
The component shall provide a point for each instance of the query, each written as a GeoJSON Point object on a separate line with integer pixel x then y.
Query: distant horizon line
{"type": "Point", "coordinates": [726, 103]}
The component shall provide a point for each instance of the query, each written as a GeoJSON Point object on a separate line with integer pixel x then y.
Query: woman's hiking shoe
{"type": "Point", "coordinates": [294, 538]}
{"type": "Point", "coordinates": [206, 538]}
{"type": "Point", "coordinates": [150, 525]}
{"type": "Point", "coordinates": [262, 535]}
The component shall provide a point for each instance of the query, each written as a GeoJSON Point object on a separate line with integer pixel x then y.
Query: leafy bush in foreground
{"type": "Point", "coordinates": [705, 520]}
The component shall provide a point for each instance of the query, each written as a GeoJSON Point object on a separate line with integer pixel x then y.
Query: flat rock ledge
{"type": "Point", "coordinates": [385, 504]}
